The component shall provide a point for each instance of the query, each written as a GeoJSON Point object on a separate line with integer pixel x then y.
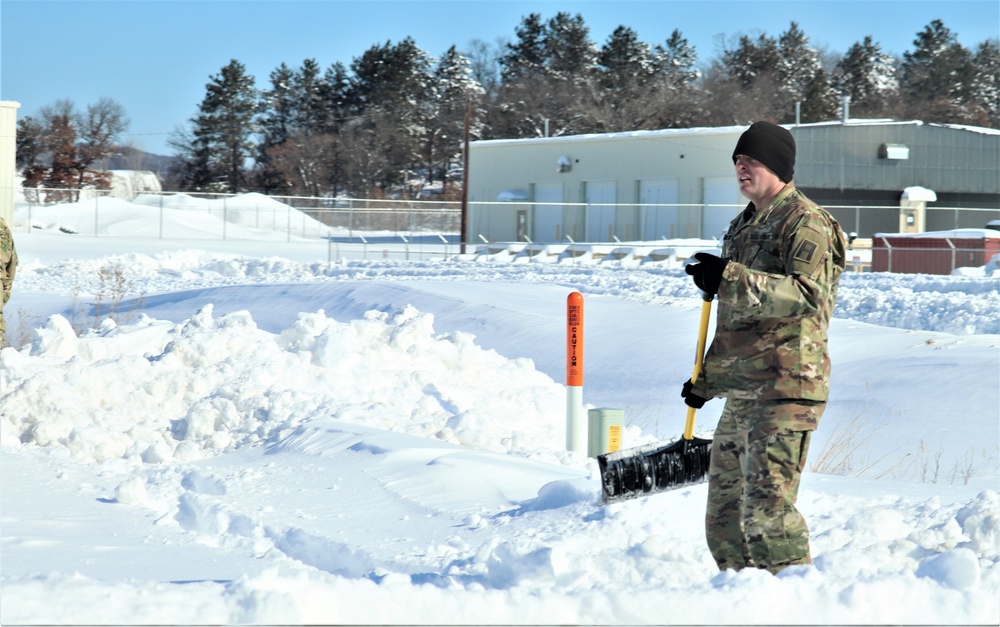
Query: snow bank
{"type": "Point", "coordinates": [211, 385]}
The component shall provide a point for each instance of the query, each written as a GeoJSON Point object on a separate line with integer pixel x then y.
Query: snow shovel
{"type": "Point", "coordinates": [653, 468]}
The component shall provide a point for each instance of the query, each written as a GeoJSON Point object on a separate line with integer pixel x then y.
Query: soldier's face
{"type": "Point", "coordinates": [756, 180]}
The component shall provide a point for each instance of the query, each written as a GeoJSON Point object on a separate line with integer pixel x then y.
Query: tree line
{"type": "Point", "coordinates": [392, 122]}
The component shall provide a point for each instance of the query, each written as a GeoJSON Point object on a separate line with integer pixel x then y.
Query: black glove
{"type": "Point", "coordinates": [690, 398]}
{"type": "Point", "coordinates": [707, 272]}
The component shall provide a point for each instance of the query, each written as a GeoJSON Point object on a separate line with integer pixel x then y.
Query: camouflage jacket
{"type": "Point", "coordinates": [8, 265]}
{"type": "Point", "coordinates": [775, 303]}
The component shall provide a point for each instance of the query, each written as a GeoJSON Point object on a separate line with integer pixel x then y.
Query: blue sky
{"type": "Point", "coordinates": [155, 57]}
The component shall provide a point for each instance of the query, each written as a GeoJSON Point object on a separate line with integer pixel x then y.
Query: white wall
{"type": "Point", "coordinates": [623, 169]}
{"type": "Point", "coordinates": [8, 158]}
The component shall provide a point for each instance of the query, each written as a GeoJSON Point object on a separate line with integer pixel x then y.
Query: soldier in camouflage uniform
{"type": "Point", "coordinates": [8, 265]}
{"type": "Point", "coordinates": [776, 284]}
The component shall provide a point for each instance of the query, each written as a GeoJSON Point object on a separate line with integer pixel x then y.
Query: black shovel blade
{"type": "Point", "coordinates": [654, 468]}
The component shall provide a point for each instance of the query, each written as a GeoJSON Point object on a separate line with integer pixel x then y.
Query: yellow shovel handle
{"type": "Point", "coordinates": [699, 361]}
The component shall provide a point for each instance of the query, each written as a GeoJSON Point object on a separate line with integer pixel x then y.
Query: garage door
{"type": "Point", "coordinates": [601, 209]}
{"type": "Point", "coordinates": [658, 210]}
{"type": "Point", "coordinates": [722, 200]}
{"type": "Point", "coordinates": [547, 225]}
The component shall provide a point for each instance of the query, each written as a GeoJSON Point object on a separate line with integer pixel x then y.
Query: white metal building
{"type": "Point", "coordinates": [8, 157]}
{"type": "Point", "coordinates": [658, 180]}
{"type": "Point", "coordinates": [680, 183]}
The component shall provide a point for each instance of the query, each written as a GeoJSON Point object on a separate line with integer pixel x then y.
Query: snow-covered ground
{"type": "Point", "coordinates": [256, 435]}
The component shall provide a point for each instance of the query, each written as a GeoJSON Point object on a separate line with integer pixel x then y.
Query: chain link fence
{"type": "Point", "coordinates": [866, 221]}
{"type": "Point", "coordinates": [418, 229]}
{"type": "Point", "coordinates": [353, 228]}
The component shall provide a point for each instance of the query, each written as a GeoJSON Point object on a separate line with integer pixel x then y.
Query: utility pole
{"type": "Point", "coordinates": [464, 235]}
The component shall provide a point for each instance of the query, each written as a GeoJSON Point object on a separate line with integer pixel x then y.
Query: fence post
{"type": "Point", "coordinates": [952, 245]}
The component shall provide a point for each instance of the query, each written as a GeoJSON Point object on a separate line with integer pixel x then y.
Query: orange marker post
{"type": "Point", "coordinates": [576, 424]}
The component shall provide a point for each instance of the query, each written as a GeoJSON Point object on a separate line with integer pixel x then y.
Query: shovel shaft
{"type": "Point", "coordinates": [699, 361]}
{"type": "Point", "coordinates": [644, 470]}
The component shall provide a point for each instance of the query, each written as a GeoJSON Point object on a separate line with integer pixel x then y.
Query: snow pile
{"type": "Point", "coordinates": [962, 305]}
{"type": "Point", "coordinates": [246, 216]}
{"type": "Point", "coordinates": [211, 385]}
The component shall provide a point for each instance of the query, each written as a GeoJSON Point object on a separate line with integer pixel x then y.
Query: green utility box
{"type": "Point", "coordinates": [605, 430]}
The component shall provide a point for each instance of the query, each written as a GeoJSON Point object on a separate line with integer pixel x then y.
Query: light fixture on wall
{"type": "Point", "coordinates": [893, 151]}
{"type": "Point", "coordinates": [564, 164]}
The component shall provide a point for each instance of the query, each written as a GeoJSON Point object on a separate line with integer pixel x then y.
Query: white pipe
{"type": "Point", "coordinates": [576, 422]}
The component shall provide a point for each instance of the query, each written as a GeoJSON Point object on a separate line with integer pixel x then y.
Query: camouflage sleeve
{"type": "Point", "coordinates": [809, 259]}
{"type": "Point", "coordinates": [8, 266]}
{"type": "Point", "coordinates": [8, 262]}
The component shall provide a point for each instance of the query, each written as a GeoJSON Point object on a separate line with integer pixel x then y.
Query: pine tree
{"type": "Point", "coordinates": [624, 61]}
{"type": "Point", "coordinates": [751, 59]}
{"type": "Point", "coordinates": [676, 71]}
{"type": "Point", "coordinates": [935, 76]}
{"type": "Point", "coordinates": [298, 162]}
{"type": "Point", "coordinates": [677, 62]}
{"type": "Point", "coordinates": [524, 96]}
{"type": "Point", "coordinates": [569, 52]}
{"type": "Point", "coordinates": [29, 142]}
{"type": "Point", "coordinates": [744, 84]}
{"type": "Point", "coordinates": [456, 89]}
{"type": "Point", "coordinates": [58, 141]}
{"type": "Point", "coordinates": [277, 120]}
{"type": "Point", "coordinates": [572, 72]}
{"type": "Point", "coordinates": [341, 108]}
{"type": "Point", "coordinates": [868, 76]}
{"type": "Point", "coordinates": [215, 152]}
{"type": "Point", "coordinates": [391, 76]}
{"type": "Point", "coordinates": [547, 78]}
{"type": "Point", "coordinates": [337, 97]}
{"type": "Point", "coordinates": [276, 124]}
{"type": "Point", "coordinates": [819, 99]}
{"type": "Point", "coordinates": [763, 78]}
{"type": "Point", "coordinates": [798, 65]}
{"type": "Point", "coordinates": [393, 86]}
{"type": "Point", "coordinates": [29, 149]}
{"type": "Point", "coordinates": [625, 69]}
{"type": "Point", "coordinates": [984, 90]}
{"type": "Point", "coordinates": [527, 57]}
{"type": "Point", "coordinates": [307, 92]}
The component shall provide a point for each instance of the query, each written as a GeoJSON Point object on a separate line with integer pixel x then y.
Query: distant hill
{"type": "Point", "coordinates": [134, 159]}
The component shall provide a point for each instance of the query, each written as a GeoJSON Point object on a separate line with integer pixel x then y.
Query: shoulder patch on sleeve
{"type": "Point", "coordinates": [808, 251]}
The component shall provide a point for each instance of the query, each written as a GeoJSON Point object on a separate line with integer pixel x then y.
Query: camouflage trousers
{"type": "Point", "coordinates": [759, 451]}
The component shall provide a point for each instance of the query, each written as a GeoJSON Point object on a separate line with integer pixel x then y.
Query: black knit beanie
{"type": "Point", "coordinates": [770, 144]}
